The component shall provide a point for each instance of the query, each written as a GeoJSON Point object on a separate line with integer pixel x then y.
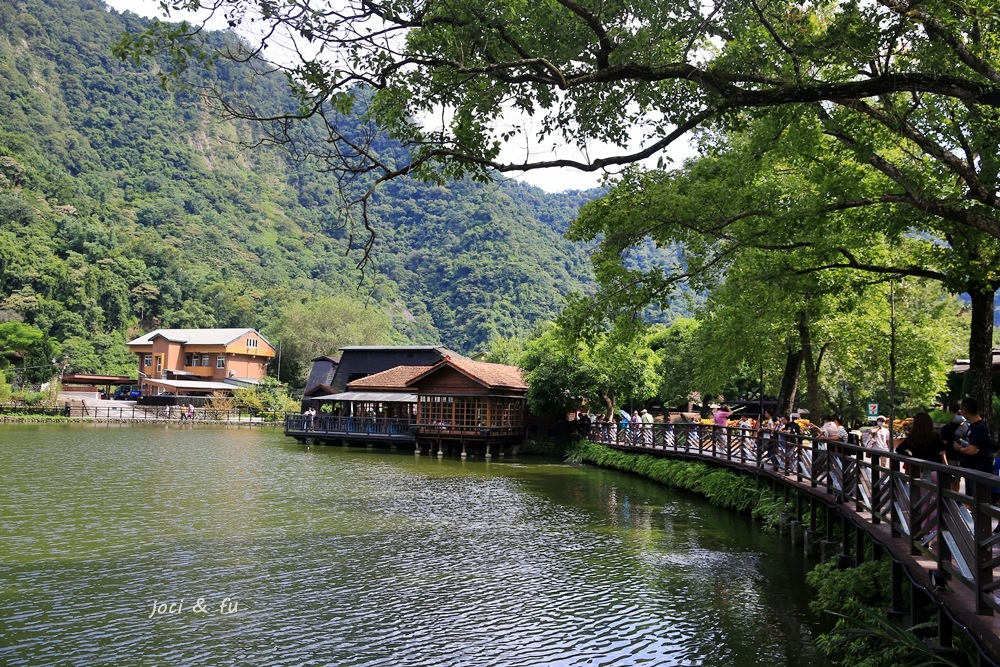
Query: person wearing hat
{"type": "Point", "coordinates": [877, 437]}
{"type": "Point", "coordinates": [647, 427]}
{"type": "Point", "coordinates": [880, 434]}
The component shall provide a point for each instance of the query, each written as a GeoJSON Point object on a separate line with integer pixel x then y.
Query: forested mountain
{"type": "Point", "coordinates": [124, 206]}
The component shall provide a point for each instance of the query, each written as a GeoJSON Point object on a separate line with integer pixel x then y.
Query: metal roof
{"type": "Point", "coordinates": [197, 336]}
{"type": "Point", "coordinates": [191, 384]}
{"type": "Point", "coordinates": [370, 396]}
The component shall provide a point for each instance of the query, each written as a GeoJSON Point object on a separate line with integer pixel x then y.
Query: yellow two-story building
{"type": "Point", "coordinates": [200, 361]}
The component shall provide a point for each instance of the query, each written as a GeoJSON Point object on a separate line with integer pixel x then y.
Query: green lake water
{"type": "Point", "coordinates": [144, 545]}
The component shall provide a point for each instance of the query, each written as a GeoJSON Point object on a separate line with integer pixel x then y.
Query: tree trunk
{"type": "Point", "coordinates": [812, 367]}
{"type": "Point", "coordinates": [789, 382]}
{"type": "Point", "coordinates": [609, 404]}
{"type": "Point", "coordinates": [981, 349]}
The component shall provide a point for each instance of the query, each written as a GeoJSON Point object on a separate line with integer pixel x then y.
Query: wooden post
{"type": "Point", "coordinates": [981, 532]}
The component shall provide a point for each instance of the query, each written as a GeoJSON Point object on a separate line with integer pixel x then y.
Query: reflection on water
{"type": "Point", "coordinates": [156, 546]}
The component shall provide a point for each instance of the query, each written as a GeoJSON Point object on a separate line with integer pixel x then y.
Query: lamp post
{"type": "Point", "coordinates": [892, 360]}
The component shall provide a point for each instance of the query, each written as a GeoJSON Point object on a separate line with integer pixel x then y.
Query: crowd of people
{"type": "Point", "coordinates": [964, 441]}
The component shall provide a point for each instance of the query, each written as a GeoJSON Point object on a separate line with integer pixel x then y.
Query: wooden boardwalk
{"type": "Point", "coordinates": [942, 540]}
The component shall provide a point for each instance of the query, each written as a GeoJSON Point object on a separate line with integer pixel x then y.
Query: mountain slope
{"type": "Point", "coordinates": [124, 206]}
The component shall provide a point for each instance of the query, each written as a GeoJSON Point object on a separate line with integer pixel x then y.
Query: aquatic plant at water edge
{"type": "Point", "coordinates": [865, 638]}
{"type": "Point", "coordinates": [721, 487]}
{"type": "Point", "coordinates": [838, 590]}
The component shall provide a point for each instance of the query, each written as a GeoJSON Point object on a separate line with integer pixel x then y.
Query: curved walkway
{"type": "Point", "coordinates": [942, 539]}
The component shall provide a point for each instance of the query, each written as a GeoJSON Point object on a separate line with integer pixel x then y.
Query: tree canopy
{"type": "Point", "coordinates": [455, 81]}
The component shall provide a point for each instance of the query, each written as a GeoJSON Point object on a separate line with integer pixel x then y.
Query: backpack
{"type": "Point", "coordinates": [962, 431]}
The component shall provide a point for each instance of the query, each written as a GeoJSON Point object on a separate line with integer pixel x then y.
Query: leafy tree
{"type": "Point", "coordinates": [894, 105]}
{"type": "Point", "coordinates": [677, 349]}
{"type": "Point", "coordinates": [641, 73]}
{"type": "Point", "coordinates": [836, 326]}
{"type": "Point", "coordinates": [505, 351]}
{"type": "Point", "coordinates": [612, 368]}
{"type": "Point", "coordinates": [317, 327]}
{"type": "Point", "coordinates": [18, 337]}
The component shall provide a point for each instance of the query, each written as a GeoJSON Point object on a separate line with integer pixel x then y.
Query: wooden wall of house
{"type": "Point", "coordinates": [448, 381]}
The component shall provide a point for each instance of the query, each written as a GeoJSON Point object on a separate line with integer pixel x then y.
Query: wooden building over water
{"type": "Point", "coordinates": [454, 405]}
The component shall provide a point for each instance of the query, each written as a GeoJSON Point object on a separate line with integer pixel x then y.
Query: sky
{"type": "Point", "coordinates": [550, 180]}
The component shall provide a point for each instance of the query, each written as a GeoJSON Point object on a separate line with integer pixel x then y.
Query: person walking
{"type": "Point", "coordinates": [877, 438]}
{"type": "Point", "coordinates": [951, 432]}
{"type": "Point", "coordinates": [647, 428]}
{"type": "Point", "coordinates": [923, 442]}
{"type": "Point", "coordinates": [765, 433]}
{"type": "Point", "coordinates": [975, 449]}
{"type": "Point", "coordinates": [789, 432]}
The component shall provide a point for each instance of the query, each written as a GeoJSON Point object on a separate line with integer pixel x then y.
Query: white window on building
{"type": "Point", "coordinates": [220, 361]}
{"type": "Point", "coordinates": [147, 360]}
{"type": "Point", "coordinates": [251, 342]}
{"type": "Point", "coordinates": [205, 361]}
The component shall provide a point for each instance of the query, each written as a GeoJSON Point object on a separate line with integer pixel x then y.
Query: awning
{"type": "Point", "coordinates": [241, 382]}
{"type": "Point", "coordinates": [370, 397]}
{"type": "Point", "coordinates": [190, 385]}
{"type": "Point", "coordinates": [176, 372]}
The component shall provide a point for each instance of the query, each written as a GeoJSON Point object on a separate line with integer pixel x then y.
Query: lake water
{"type": "Point", "coordinates": [134, 545]}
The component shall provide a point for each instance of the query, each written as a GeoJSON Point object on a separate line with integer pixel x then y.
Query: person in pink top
{"type": "Point", "coordinates": [721, 416]}
{"type": "Point", "coordinates": [721, 419]}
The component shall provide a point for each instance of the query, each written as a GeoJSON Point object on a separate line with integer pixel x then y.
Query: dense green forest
{"type": "Point", "coordinates": [125, 207]}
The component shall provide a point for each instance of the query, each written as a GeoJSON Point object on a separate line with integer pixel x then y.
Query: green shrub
{"type": "Point", "coordinates": [837, 590]}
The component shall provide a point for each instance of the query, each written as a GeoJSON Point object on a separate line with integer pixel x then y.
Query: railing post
{"type": "Point", "coordinates": [799, 453]}
{"type": "Point", "coordinates": [943, 550]}
{"type": "Point", "coordinates": [916, 496]}
{"type": "Point", "coordinates": [858, 457]}
{"type": "Point", "coordinates": [894, 520]}
{"type": "Point", "coordinates": [982, 531]}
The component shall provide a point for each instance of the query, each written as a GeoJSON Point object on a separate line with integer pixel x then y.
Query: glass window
{"type": "Point", "coordinates": [436, 410]}
{"type": "Point", "coordinates": [189, 359]}
{"type": "Point", "coordinates": [251, 342]}
{"type": "Point", "coordinates": [205, 360]}
{"type": "Point", "coordinates": [147, 360]}
{"type": "Point", "coordinates": [220, 361]}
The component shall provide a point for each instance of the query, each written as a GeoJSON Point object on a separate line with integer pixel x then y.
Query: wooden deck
{"type": "Point", "coordinates": [390, 432]}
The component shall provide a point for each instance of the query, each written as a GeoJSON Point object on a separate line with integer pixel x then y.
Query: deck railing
{"type": "Point", "coordinates": [914, 497]}
{"type": "Point", "coordinates": [334, 426]}
{"type": "Point", "coordinates": [158, 413]}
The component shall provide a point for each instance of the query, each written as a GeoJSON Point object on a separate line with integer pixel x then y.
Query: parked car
{"type": "Point", "coordinates": [126, 392]}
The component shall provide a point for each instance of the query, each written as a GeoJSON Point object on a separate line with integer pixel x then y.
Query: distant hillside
{"type": "Point", "coordinates": [124, 207]}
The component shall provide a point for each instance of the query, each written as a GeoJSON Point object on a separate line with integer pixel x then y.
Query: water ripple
{"type": "Point", "coordinates": [330, 556]}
